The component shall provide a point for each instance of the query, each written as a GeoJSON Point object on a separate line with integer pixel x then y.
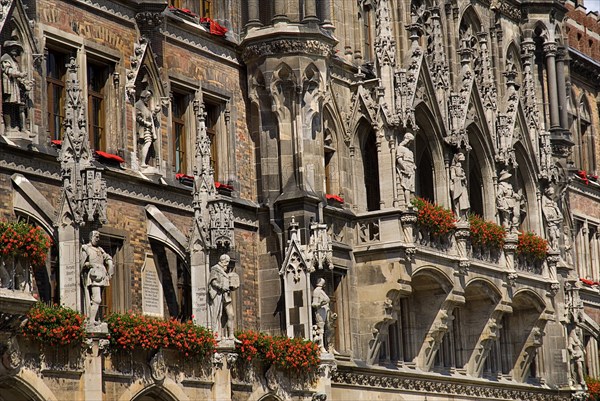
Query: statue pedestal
{"type": "Point", "coordinates": [223, 358]}
{"type": "Point", "coordinates": [151, 172]}
{"type": "Point", "coordinates": [92, 365]}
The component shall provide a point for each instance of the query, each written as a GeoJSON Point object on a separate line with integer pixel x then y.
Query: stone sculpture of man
{"type": "Point", "coordinates": [405, 167]}
{"type": "Point", "coordinates": [320, 304]}
{"type": "Point", "coordinates": [146, 125]}
{"type": "Point", "coordinates": [508, 202]}
{"type": "Point", "coordinates": [553, 217]}
{"type": "Point", "coordinates": [575, 348]}
{"type": "Point", "coordinates": [96, 272]}
{"type": "Point", "coordinates": [14, 86]}
{"type": "Point", "coordinates": [458, 187]}
{"type": "Point", "coordinates": [221, 281]}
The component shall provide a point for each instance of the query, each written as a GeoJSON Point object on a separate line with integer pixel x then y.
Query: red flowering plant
{"type": "Point", "coordinates": [436, 219]}
{"type": "Point", "coordinates": [54, 325]}
{"type": "Point", "coordinates": [22, 240]}
{"type": "Point", "coordinates": [485, 233]}
{"type": "Point", "coordinates": [292, 355]}
{"type": "Point", "coordinates": [129, 331]}
{"type": "Point", "coordinates": [532, 246]}
{"type": "Point", "coordinates": [593, 386]}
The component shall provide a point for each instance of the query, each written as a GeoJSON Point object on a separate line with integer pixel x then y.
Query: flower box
{"type": "Point", "coordinates": [54, 325]}
{"type": "Point", "coordinates": [486, 233]}
{"type": "Point", "coordinates": [129, 331]}
{"type": "Point", "coordinates": [593, 388]}
{"type": "Point", "coordinates": [334, 199]}
{"type": "Point", "coordinates": [24, 241]}
{"type": "Point", "coordinates": [437, 220]}
{"type": "Point", "coordinates": [109, 157]}
{"type": "Point", "coordinates": [185, 179]}
{"type": "Point", "coordinates": [293, 355]}
{"type": "Point", "coordinates": [223, 189]}
{"type": "Point", "coordinates": [532, 246]}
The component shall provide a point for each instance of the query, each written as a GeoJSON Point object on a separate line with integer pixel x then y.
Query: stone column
{"type": "Point", "coordinates": [550, 53]}
{"type": "Point", "coordinates": [562, 88]}
{"type": "Point", "coordinates": [310, 11]}
{"type": "Point", "coordinates": [253, 14]}
{"type": "Point", "coordinates": [280, 15]}
{"type": "Point", "coordinates": [326, 14]}
{"type": "Point", "coordinates": [408, 219]}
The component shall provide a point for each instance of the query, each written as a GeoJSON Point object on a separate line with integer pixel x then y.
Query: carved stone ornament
{"type": "Point", "coordinates": [385, 45]}
{"type": "Point", "coordinates": [319, 246]}
{"type": "Point", "coordinates": [149, 20]}
{"type": "Point", "coordinates": [430, 386]}
{"type": "Point", "coordinates": [5, 6]}
{"type": "Point", "coordinates": [84, 190]}
{"type": "Point", "coordinates": [12, 358]}
{"type": "Point", "coordinates": [221, 223]}
{"type": "Point", "coordinates": [139, 50]}
{"type": "Point", "coordinates": [296, 259]}
{"type": "Point", "coordinates": [287, 47]}
{"type": "Point", "coordinates": [406, 81]}
{"type": "Point", "coordinates": [158, 367]}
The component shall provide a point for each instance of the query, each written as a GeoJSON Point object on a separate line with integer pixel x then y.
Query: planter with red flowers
{"type": "Point", "coordinates": [334, 200]}
{"type": "Point", "coordinates": [129, 332]}
{"type": "Point", "coordinates": [22, 246]}
{"type": "Point", "coordinates": [487, 238]}
{"type": "Point", "coordinates": [435, 223]}
{"type": "Point", "coordinates": [531, 252]}
{"type": "Point", "coordinates": [54, 325]}
{"type": "Point", "coordinates": [593, 388]}
{"type": "Point", "coordinates": [292, 356]}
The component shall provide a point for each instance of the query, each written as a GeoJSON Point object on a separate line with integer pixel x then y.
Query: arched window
{"type": "Point", "coordinates": [584, 158]}
{"type": "Point", "coordinates": [475, 185]}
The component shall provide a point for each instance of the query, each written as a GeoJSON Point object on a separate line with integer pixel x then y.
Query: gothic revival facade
{"type": "Point", "coordinates": [303, 140]}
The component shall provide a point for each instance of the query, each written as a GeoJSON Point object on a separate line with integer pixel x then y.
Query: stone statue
{"type": "Point", "coordinates": [575, 348]}
{"type": "Point", "coordinates": [458, 187]}
{"type": "Point", "coordinates": [221, 281]}
{"type": "Point", "coordinates": [147, 125]}
{"type": "Point", "coordinates": [96, 272]}
{"type": "Point", "coordinates": [508, 202]}
{"type": "Point", "coordinates": [323, 318]}
{"type": "Point", "coordinates": [553, 217]}
{"type": "Point", "coordinates": [15, 87]}
{"type": "Point", "coordinates": [405, 167]}
{"type": "Point", "coordinates": [568, 245]}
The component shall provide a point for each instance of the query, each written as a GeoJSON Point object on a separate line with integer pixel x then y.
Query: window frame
{"type": "Point", "coordinates": [101, 96]}
{"type": "Point", "coordinates": [180, 127]}
{"type": "Point", "coordinates": [55, 128]}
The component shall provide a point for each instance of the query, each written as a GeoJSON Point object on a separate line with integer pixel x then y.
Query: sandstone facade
{"type": "Point", "coordinates": [287, 142]}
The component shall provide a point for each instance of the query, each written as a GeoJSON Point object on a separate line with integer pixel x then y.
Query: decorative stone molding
{"type": "Point", "coordinates": [149, 20]}
{"type": "Point", "coordinates": [372, 380]}
{"type": "Point", "coordinates": [385, 45]}
{"type": "Point", "coordinates": [12, 358]}
{"type": "Point", "coordinates": [5, 7]}
{"type": "Point", "coordinates": [310, 47]}
{"type": "Point", "coordinates": [436, 56]}
{"type": "Point", "coordinates": [158, 367]}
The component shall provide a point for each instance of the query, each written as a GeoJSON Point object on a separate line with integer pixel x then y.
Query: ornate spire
{"type": "Point", "coordinates": [84, 190]}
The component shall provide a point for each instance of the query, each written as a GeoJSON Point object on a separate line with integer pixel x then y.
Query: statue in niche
{"type": "Point", "coordinates": [568, 245]}
{"type": "Point", "coordinates": [96, 272]}
{"type": "Point", "coordinates": [508, 202]}
{"type": "Point", "coordinates": [575, 348]}
{"type": "Point", "coordinates": [553, 217]}
{"type": "Point", "coordinates": [406, 167]}
{"type": "Point", "coordinates": [324, 318]}
{"type": "Point", "coordinates": [221, 282]}
{"type": "Point", "coordinates": [458, 187]}
{"type": "Point", "coordinates": [147, 125]}
{"type": "Point", "coordinates": [15, 86]}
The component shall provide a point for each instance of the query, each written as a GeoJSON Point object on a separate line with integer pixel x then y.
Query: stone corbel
{"type": "Point", "coordinates": [439, 328]}
{"type": "Point", "coordinates": [489, 335]}
{"type": "Point", "coordinates": [533, 343]}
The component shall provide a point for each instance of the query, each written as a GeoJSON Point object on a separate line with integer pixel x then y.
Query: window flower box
{"type": "Point", "coordinates": [334, 200]}
{"type": "Point", "coordinates": [532, 247]}
{"type": "Point", "coordinates": [223, 189]}
{"type": "Point", "coordinates": [593, 388]}
{"type": "Point", "coordinates": [438, 221]}
{"type": "Point", "coordinates": [486, 233]}
{"type": "Point", "coordinates": [185, 179]}
{"type": "Point", "coordinates": [130, 332]}
{"type": "Point", "coordinates": [54, 325]}
{"type": "Point", "coordinates": [291, 355]}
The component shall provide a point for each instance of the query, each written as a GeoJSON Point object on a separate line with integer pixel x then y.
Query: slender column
{"type": "Point", "coordinates": [326, 14]}
{"type": "Point", "coordinates": [550, 52]}
{"type": "Point", "coordinates": [253, 14]}
{"type": "Point", "coordinates": [280, 15]}
{"type": "Point", "coordinates": [562, 88]}
{"type": "Point", "coordinates": [310, 11]}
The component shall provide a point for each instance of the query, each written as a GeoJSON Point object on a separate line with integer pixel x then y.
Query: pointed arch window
{"type": "Point", "coordinates": [585, 144]}
{"type": "Point", "coordinates": [424, 174]}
